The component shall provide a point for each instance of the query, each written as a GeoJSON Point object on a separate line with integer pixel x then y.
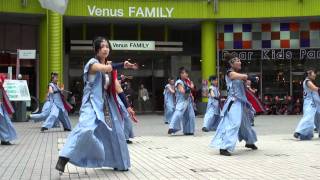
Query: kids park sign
{"type": "Point", "coordinates": [132, 11]}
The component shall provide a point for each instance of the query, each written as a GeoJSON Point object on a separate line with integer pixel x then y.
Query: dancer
{"type": "Point", "coordinates": [316, 99]}
{"type": "Point", "coordinates": [126, 110]}
{"type": "Point", "coordinates": [169, 100]}
{"type": "Point", "coordinates": [251, 96]}
{"type": "Point", "coordinates": [59, 107]}
{"type": "Point", "coordinates": [7, 131]}
{"type": "Point", "coordinates": [212, 116]}
{"type": "Point", "coordinates": [45, 111]}
{"type": "Point", "coordinates": [304, 130]}
{"type": "Point", "coordinates": [98, 139]}
{"type": "Point", "coordinates": [236, 112]}
{"type": "Point", "coordinates": [184, 105]}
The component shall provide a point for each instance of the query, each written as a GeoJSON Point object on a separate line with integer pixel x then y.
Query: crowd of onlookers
{"type": "Point", "coordinates": [282, 106]}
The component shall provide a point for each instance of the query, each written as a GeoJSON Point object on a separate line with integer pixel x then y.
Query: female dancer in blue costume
{"type": "Point", "coordinates": [184, 110]}
{"type": "Point", "coordinates": [98, 139]}
{"type": "Point", "coordinates": [126, 110]}
{"type": "Point", "coordinates": [45, 111]}
{"type": "Point", "coordinates": [236, 112]}
{"type": "Point", "coordinates": [212, 116]}
{"type": "Point", "coordinates": [58, 110]}
{"type": "Point", "coordinates": [7, 131]}
{"type": "Point", "coordinates": [169, 100]}
{"type": "Point", "coordinates": [304, 130]}
{"type": "Point", "coordinates": [316, 99]}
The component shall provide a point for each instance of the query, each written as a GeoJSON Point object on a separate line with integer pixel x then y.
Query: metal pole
{"type": "Point", "coordinates": [17, 65]}
{"type": "Point", "coordinates": [290, 83]}
{"type": "Point", "coordinates": [153, 87]}
{"type": "Point", "coordinates": [261, 80]}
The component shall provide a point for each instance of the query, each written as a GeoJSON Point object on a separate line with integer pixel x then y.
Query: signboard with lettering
{"type": "Point", "coordinates": [132, 11]}
{"type": "Point", "coordinates": [276, 54]}
{"type": "Point", "coordinates": [133, 45]}
{"type": "Point", "coordinates": [17, 90]}
{"type": "Point", "coordinates": [26, 54]}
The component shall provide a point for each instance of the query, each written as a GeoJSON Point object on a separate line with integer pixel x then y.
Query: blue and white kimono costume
{"type": "Point", "coordinates": [235, 118]}
{"type": "Point", "coordinates": [57, 111]}
{"type": "Point", "coordinates": [46, 108]}
{"type": "Point", "coordinates": [306, 124]}
{"type": "Point", "coordinates": [169, 104]}
{"type": "Point", "coordinates": [316, 99]}
{"type": "Point", "coordinates": [128, 129]}
{"type": "Point", "coordinates": [97, 141]}
{"type": "Point", "coordinates": [212, 116]}
{"type": "Point", "coordinates": [183, 111]}
{"type": "Point", "coordinates": [7, 131]}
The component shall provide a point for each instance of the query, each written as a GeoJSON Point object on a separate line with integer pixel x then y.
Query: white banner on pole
{"type": "Point", "coordinates": [58, 6]}
{"type": "Point", "coordinates": [17, 90]}
{"type": "Point", "coordinates": [27, 54]}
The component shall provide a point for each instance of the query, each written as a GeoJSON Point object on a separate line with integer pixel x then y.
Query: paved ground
{"type": "Point", "coordinates": [155, 155]}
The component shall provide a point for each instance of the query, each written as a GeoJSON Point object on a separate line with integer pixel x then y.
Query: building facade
{"type": "Point", "coordinates": [275, 39]}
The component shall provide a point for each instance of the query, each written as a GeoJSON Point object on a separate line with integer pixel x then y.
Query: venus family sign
{"type": "Point", "coordinates": [132, 11]}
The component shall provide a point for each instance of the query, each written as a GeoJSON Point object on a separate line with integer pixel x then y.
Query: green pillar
{"type": "Point", "coordinates": [55, 29]}
{"type": "Point", "coordinates": [208, 49]}
{"type": "Point", "coordinates": [51, 49]}
{"type": "Point", "coordinates": [43, 62]}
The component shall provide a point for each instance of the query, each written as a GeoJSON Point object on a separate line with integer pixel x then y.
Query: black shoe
{"type": "Point", "coordinates": [171, 131]}
{"type": "Point", "coordinates": [188, 134]}
{"type": "Point", "coordinates": [43, 129]}
{"type": "Point", "coordinates": [224, 152]}
{"type": "Point", "coordinates": [66, 129]}
{"type": "Point", "coordinates": [116, 169]}
{"type": "Point", "coordinates": [166, 122]}
{"type": "Point", "coordinates": [252, 124]}
{"type": "Point", "coordinates": [5, 143]}
{"type": "Point", "coordinates": [61, 164]}
{"type": "Point", "coordinates": [296, 135]}
{"type": "Point", "coordinates": [252, 146]}
{"type": "Point", "coordinates": [315, 130]}
{"type": "Point", "coordinates": [205, 129]}
{"type": "Point", "coordinates": [129, 142]}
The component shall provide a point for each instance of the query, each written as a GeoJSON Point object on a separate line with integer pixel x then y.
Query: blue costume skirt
{"type": "Point", "coordinates": [93, 144]}
{"type": "Point", "coordinates": [186, 115]}
{"type": "Point", "coordinates": [57, 114]}
{"type": "Point", "coordinates": [235, 125]}
{"type": "Point", "coordinates": [7, 131]}
{"type": "Point", "coordinates": [306, 124]}
{"type": "Point", "coordinates": [211, 120]}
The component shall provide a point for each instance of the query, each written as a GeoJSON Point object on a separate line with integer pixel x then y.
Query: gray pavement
{"type": "Point", "coordinates": [155, 155]}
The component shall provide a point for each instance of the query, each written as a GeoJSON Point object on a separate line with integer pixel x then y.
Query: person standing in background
{"type": "Point", "coordinates": [143, 98]}
{"type": "Point", "coordinates": [169, 100]}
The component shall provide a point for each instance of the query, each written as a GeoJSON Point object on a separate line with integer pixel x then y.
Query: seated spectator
{"type": "Point", "coordinates": [276, 106]}
{"type": "Point", "coordinates": [290, 104]}
{"type": "Point", "coordinates": [267, 104]}
{"type": "Point", "coordinates": [297, 107]}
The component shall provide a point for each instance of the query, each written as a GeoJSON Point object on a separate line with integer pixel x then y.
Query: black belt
{"type": "Point", "coordinates": [229, 106]}
{"type": "Point", "coordinates": [55, 92]}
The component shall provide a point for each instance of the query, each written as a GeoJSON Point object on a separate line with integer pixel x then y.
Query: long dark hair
{"type": "Point", "coordinates": [227, 58]}
{"type": "Point", "coordinates": [53, 74]}
{"type": "Point", "coordinates": [309, 71]}
{"type": "Point", "coordinates": [181, 69]}
{"type": "Point", "coordinates": [97, 44]}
